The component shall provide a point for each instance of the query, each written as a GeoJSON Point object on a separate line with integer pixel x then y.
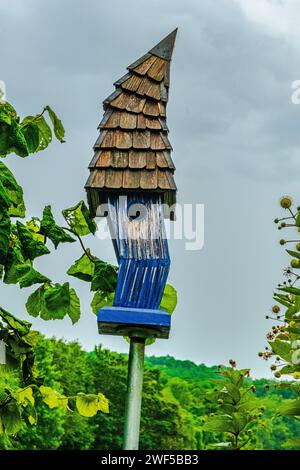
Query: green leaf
{"type": "Point", "coordinates": [4, 139]}
{"type": "Point", "coordinates": [25, 396]}
{"type": "Point", "coordinates": [239, 421]}
{"type": "Point", "coordinates": [7, 113]}
{"type": "Point", "coordinates": [83, 268]}
{"type": "Point", "coordinates": [281, 348]}
{"type": "Point", "coordinates": [35, 304]}
{"type": "Point", "coordinates": [30, 276]}
{"type": "Point", "coordinates": [79, 219]}
{"type": "Point", "coordinates": [51, 230]}
{"type": "Point", "coordinates": [89, 405]}
{"type": "Point", "coordinates": [5, 227]}
{"type": "Point", "coordinates": [17, 140]}
{"type": "Point", "coordinates": [34, 228]}
{"type": "Point", "coordinates": [32, 419]}
{"type": "Point", "coordinates": [288, 369]}
{"type": "Point", "coordinates": [102, 299]}
{"type": "Point", "coordinates": [219, 423]}
{"type": "Point", "coordinates": [15, 259]}
{"type": "Point", "coordinates": [294, 254]}
{"type": "Point", "coordinates": [21, 326]}
{"type": "Point", "coordinates": [59, 130]}
{"type": "Point", "coordinates": [282, 299]}
{"type": "Point", "coordinates": [31, 134]}
{"type": "Point", "coordinates": [14, 192]}
{"type": "Point", "coordinates": [290, 290]}
{"type": "Point", "coordinates": [31, 248]}
{"type": "Point", "coordinates": [45, 134]}
{"type": "Point", "coordinates": [103, 403]}
{"type": "Point", "coordinates": [54, 303]}
{"type": "Point", "coordinates": [49, 396]}
{"type": "Point", "coordinates": [105, 277]}
{"type": "Point", "coordinates": [169, 300]}
{"type": "Point", "coordinates": [290, 408]}
{"type": "Point", "coordinates": [57, 301]}
{"type": "Point", "coordinates": [11, 418]}
{"type": "Point", "coordinates": [4, 198]}
{"type": "Point", "coordinates": [233, 392]}
{"type": "Point", "coordinates": [74, 307]}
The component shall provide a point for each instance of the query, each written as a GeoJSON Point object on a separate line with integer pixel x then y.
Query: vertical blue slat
{"type": "Point", "coordinates": [143, 262]}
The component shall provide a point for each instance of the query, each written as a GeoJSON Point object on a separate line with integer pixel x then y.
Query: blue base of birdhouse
{"type": "Point", "coordinates": [145, 323]}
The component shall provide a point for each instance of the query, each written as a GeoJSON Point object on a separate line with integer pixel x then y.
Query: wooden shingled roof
{"type": "Point", "coordinates": [133, 152]}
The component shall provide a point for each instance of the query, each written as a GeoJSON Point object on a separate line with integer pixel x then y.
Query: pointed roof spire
{"type": "Point", "coordinates": [164, 48]}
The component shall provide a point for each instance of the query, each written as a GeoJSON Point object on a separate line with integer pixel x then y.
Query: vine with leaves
{"type": "Point", "coordinates": [20, 244]}
{"type": "Point", "coordinates": [284, 336]}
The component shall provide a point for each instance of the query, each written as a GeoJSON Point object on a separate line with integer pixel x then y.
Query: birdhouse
{"type": "Point", "coordinates": [132, 174]}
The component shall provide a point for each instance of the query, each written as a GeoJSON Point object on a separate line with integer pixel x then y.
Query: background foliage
{"type": "Point", "coordinates": [174, 414]}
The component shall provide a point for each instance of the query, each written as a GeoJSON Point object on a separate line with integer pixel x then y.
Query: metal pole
{"type": "Point", "coordinates": [134, 393]}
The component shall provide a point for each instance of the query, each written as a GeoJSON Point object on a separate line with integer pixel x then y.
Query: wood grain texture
{"type": "Point", "coordinates": [132, 83]}
{"type": "Point", "coordinates": [149, 88]}
{"type": "Point", "coordinates": [131, 179]}
{"type": "Point", "coordinates": [151, 160]}
{"type": "Point", "coordinates": [141, 122]}
{"type": "Point", "coordinates": [113, 120]}
{"type": "Point", "coordinates": [119, 159]}
{"type": "Point", "coordinates": [151, 108]}
{"type": "Point", "coordinates": [98, 178]}
{"type": "Point", "coordinates": [113, 179]}
{"type": "Point", "coordinates": [131, 103]}
{"type": "Point", "coordinates": [153, 124]}
{"type": "Point", "coordinates": [148, 179]}
{"type": "Point", "coordinates": [163, 182]}
{"type": "Point", "coordinates": [137, 159]}
{"type": "Point", "coordinates": [161, 160]}
{"type": "Point", "coordinates": [157, 69]}
{"type": "Point", "coordinates": [157, 142]}
{"type": "Point", "coordinates": [128, 120]}
{"type": "Point", "coordinates": [104, 160]}
{"type": "Point", "coordinates": [143, 68]}
{"type": "Point", "coordinates": [141, 140]}
{"type": "Point", "coordinates": [123, 139]}
{"type": "Point", "coordinates": [169, 160]}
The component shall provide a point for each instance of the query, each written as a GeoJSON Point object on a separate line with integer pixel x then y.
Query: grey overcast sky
{"type": "Point", "coordinates": [236, 139]}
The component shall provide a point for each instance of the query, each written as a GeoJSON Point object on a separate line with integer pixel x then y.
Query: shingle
{"type": "Point", "coordinates": [132, 83]}
{"type": "Point", "coordinates": [157, 142]}
{"type": "Point", "coordinates": [149, 88]}
{"type": "Point", "coordinates": [123, 139]}
{"type": "Point", "coordinates": [131, 103]}
{"type": "Point", "coordinates": [119, 159]}
{"type": "Point", "coordinates": [128, 120]}
{"type": "Point", "coordinates": [137, 159]}
{"type": "Point", "coordinates": [104, 159]}
{"type": "Point", "coordinates": [157, 69]}
{"type": "Point", "coordinates": [113, 179]}
{"type": "Point", "coordinates": [151, 160]}
{"type": "Point", "coordinates": [148, 179]}
{"type": "Point", "coordinates": [153, 123]}
{"type": "Point", "coordinates": [144, 65]}
{"type": "Point", "coordinates": [131, 179]}
{"type": "Point", "coordinates": [141, 121]}
{"type": "Point", "coordinates": [151, 108]}
{"type": "Point", "coordinates": [112, 121]}
{"type": "Point", "coordinates": [141, 139]}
